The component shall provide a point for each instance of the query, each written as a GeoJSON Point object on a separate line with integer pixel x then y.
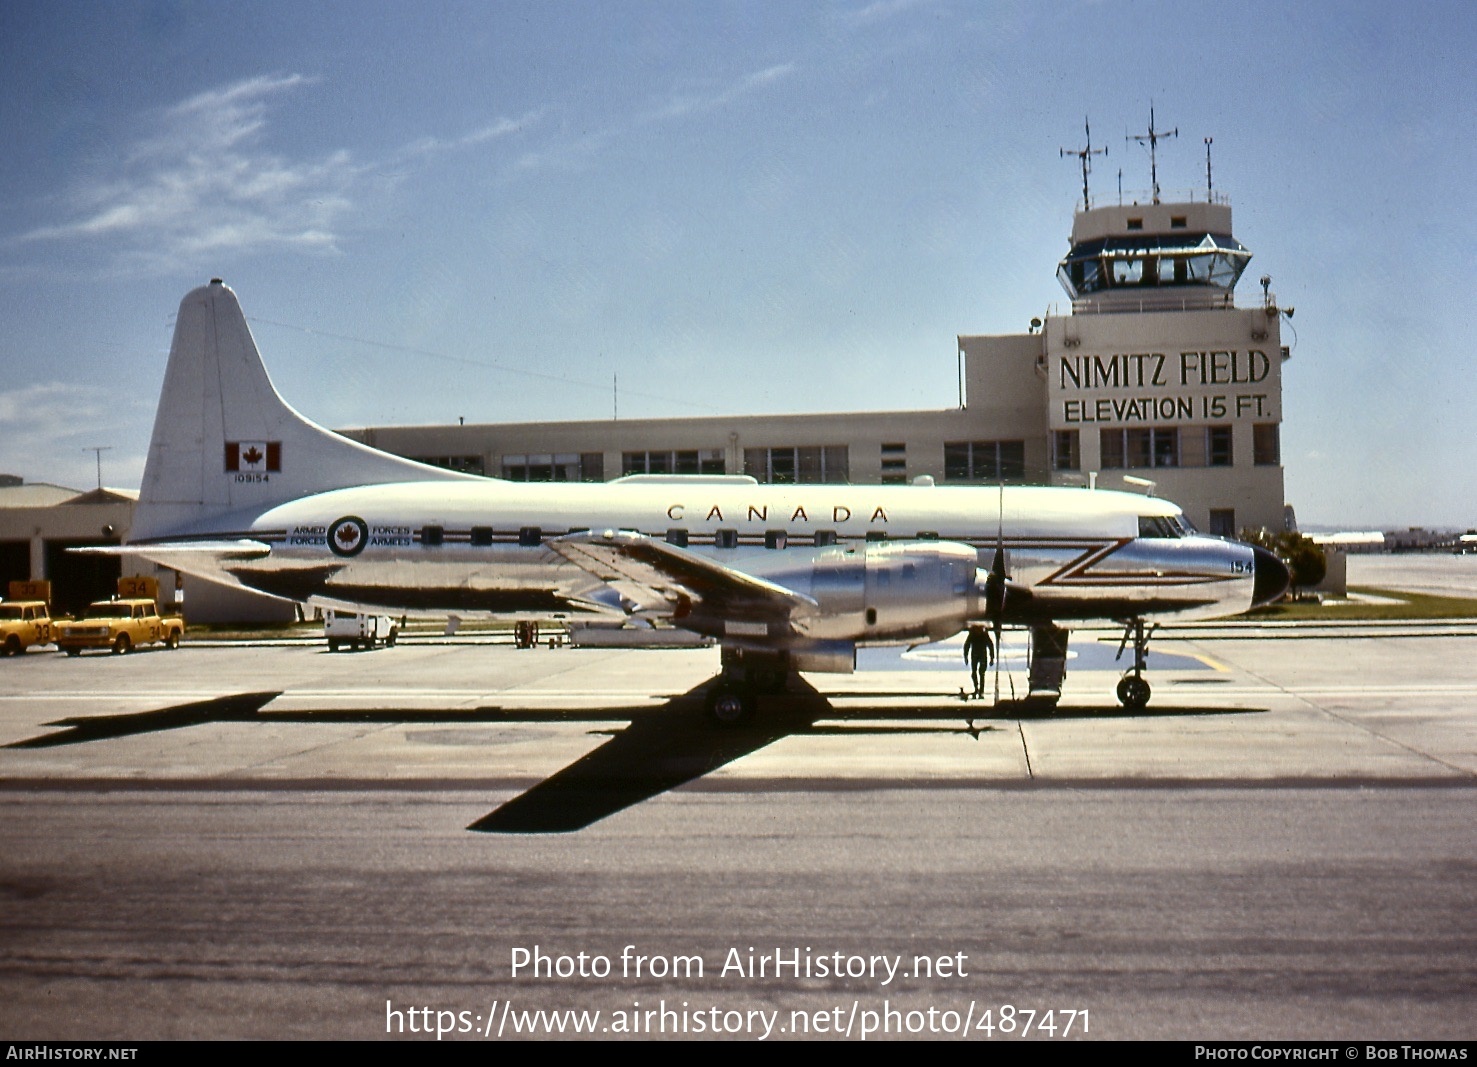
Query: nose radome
{"type": "Point", "coordinates": [1270, 577]}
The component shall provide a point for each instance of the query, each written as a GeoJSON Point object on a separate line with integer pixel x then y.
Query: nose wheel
{"type": "Point", "coordinates": [1133, 690]}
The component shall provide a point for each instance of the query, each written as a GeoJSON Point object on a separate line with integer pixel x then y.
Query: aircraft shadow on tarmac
{"type": "Point", "coordinates": [657, 750]}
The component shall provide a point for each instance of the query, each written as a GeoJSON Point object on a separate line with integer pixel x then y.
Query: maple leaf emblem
{"type": "Point", "coordinates": [347, 534]}
{"type": "Point", "coordinates": [252, 456]}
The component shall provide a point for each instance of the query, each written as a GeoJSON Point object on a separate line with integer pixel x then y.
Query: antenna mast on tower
{"type": "Point", "coordinates": [1152, 140]}
{"type": "Point", "coordinates": [1085, 154]}
{"type": "Point", "coordinates": [1209, 189]}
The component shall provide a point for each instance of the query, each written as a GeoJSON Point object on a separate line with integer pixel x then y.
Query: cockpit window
{"type": "Point", "coordinates": [1164, 526]}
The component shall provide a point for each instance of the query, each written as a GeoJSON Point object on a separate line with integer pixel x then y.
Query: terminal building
{"type": "Point", "coordinates": [1154, 379]}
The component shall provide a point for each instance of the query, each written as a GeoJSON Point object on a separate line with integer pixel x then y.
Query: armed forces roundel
{"type": "Point", "coordinates": [348, 536]}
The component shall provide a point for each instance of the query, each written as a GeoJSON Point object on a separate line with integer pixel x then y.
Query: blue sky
{"type": "Point", "coordinates": [496, 210]}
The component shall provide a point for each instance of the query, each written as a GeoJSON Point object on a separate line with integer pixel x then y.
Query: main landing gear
{"type": "Point", "coordinates": [1133, 690]}
{"type": "Point", "coordinates": [734, 696]}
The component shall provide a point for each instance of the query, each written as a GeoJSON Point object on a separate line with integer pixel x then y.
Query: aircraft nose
{"type": "Point", "coordinates": [1270, 577]}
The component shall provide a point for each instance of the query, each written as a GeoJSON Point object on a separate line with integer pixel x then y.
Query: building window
{"type": "Point", "coordinates": [688, 461]}
{"type": "Point", "coordinates": [468, 464]}
{"type": "Point", "coordinates": [1218, 451]}
{"type": "Point", "coordinates": [554, 467]}
{"type": "Point", "coordinates": [986, 461]}
{"type": "Point", "coordinates": [803, 465]}
{"type": "Point", "coordinates": [1156, 447]}
{"type": "Point", "coordinates": [1266, 446]}
{"type": "Point", "coordinates": [1165, 445]}
{"type": "Point", "coordinates": [1065, 451]}
{"type": "Point", "coordinates": [1223, 522]}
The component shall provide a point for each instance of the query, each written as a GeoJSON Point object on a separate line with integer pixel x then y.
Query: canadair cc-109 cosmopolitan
{"type": "Point", "coordinates": [239, 488]}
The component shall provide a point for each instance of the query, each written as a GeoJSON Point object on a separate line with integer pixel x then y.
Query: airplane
{"type": "Point", "coordinates": [240, 488]}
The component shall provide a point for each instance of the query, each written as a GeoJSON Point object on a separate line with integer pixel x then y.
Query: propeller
{"type": "Point", "coordinates": [995, 585]}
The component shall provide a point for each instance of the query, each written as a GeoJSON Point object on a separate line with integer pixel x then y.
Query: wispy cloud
{"type": "Point", "coordinates": [676, 107]}
{"type": "Point", "coordinates": [49, 430]}
{"type": "Point", "coordinates": [686, 104]}
{"type": "Point", "coordinates": [880, 11]}
{"type": "Point", "coordinates": [203, 181]}
{"type": "Point", "coordinates": [50, 407]}
{"type": "Point", "coordinates": [494, 131]}
{"type": "Point", "coordinates": [206, 179]}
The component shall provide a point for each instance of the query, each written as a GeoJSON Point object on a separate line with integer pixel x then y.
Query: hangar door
{"type": "Point", "coordinates": [77, 581]}
{"type": "Point", "coordinates": [15, 563]}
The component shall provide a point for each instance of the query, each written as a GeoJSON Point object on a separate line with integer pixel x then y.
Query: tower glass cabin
{"type": "Point", "coordinates": [1144, 257]}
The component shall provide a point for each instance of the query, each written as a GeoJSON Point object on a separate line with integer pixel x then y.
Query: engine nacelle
{"type": "Point", "coordinates": [894, 590]}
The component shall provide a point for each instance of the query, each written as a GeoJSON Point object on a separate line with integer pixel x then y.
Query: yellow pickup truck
{"type": "Point", "coordinates": [121, 624]}
{"type": "Point", "coordinates": [24, 623]}
{"type": "Point", "coordinates": [25, 617]}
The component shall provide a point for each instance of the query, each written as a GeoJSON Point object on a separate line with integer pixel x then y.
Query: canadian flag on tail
{"type": "Point", "coordinates": [254, 456]}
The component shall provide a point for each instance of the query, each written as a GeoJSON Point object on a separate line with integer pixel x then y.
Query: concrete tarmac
{"type": "Point", "coordinates": [237, 841]}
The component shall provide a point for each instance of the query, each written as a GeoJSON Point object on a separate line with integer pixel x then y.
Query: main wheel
{"type": "Point", "coordinates": [122, 645]}
{"type": "Point", "coordinates": [172, 641]}
{"type": "Point", "coordinates": [333, 644]}
{"type": "Point", "coordinates": [72, 651]}
{"type": "Point", "coordinates": [13, 646]}
{"type": "Point", "coordinates": [730, 706]}
{"type": "Point", "coordinates": [1133, 691]}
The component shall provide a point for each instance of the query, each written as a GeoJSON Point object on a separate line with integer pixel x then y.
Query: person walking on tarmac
{"type": "Point", "coordinates": [979, 653]}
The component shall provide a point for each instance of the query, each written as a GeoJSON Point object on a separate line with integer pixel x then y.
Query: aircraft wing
{"type": "Point", "coordinates": [655, 578]}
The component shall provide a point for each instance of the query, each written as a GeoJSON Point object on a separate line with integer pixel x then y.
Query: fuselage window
{"type": "Point", "coordinates": [530, 536]}
{"type": "Point", "coordinates": [825, 537]}
{"type": "Point", "coordinates": [481, 536]}
{"type": "Point", "coordinates": [876, 535]}
{"type": "Point", "coordinates": [775, 538]}
{"type": "Point", "coordinates": [432, 535]}
{"type": "Point", "coordinates": [677, 536]}
{"type": "Point", "coordinates": [725, 539]}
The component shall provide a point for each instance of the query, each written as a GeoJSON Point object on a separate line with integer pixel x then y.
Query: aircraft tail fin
{"type": "Point", "coordinates": [225, 441]}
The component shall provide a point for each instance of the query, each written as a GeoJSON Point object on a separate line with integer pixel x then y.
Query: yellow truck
{"type": "Point", "coordinates": [25, 617]}
{"type": "Point", "coordinates": [123, 623]}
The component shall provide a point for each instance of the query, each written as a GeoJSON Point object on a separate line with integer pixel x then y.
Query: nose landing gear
{"type": "Point", "coordinates": [1133, 690]}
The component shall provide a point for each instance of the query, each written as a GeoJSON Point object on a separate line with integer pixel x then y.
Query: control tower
{"type": "Point", "coordinates": [1155, 380]}
{"type": "Point", "coordinates": [1156, 376]}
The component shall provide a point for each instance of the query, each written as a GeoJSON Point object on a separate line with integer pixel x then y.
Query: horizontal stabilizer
{"type": "Point", "coordinates": [160, 552]}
